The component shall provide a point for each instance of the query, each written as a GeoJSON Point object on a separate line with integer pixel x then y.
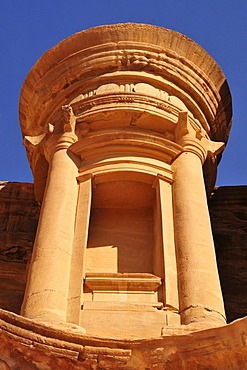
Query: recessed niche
{"type": "Point", "coordinates": [121, 228]}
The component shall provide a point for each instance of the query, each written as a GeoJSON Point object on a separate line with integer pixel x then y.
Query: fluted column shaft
{"type": "Point", "coordinates": [48, 280]}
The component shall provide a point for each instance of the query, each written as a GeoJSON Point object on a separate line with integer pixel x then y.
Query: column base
{"type": "Point", "coordinates": [201, 315]}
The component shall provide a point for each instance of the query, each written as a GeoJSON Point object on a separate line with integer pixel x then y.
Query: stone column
{"type": "Point", "coordinates": [49, 274]}
{"type": "Point", "coordinates": [200, 296]}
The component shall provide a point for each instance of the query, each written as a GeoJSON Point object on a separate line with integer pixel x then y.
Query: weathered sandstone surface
{"type": "Point", "coordinates": [19, 214]}
{"type": "Point", "coordinates": [28, 345]}
{"type": "Point", "coordinates": [228, 209]}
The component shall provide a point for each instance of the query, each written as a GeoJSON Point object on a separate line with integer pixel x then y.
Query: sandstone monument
{"type": "Point", "coordinates": [124, 126]}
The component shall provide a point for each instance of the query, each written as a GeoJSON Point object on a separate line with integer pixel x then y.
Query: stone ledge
{"type": "Point", "coordinates": [123, 281]}
{"type": "Point", "coordinates": [34, 345]}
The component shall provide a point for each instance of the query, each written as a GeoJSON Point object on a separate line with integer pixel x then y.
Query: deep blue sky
{"type": "Point", "coordinates": [28, 28]}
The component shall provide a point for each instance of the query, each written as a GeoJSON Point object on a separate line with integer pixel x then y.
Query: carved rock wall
{"type": "Point", "coordinates": [228, 210]}
{"type": "Point", "coordinates": [19, 214]}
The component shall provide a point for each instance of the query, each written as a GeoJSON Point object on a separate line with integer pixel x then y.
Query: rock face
{"type": "Point", "coordinates": [228, 210]}
{"type": "Point", "coordinates": [19, 214]}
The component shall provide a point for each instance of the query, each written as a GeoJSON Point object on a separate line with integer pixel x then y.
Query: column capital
{"type": "Point", "coordinates": [195, 139]}
{"type": "Point", "coordinates": [58, 141]}
{"type": "Point", "coordinates": [51, 141]}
